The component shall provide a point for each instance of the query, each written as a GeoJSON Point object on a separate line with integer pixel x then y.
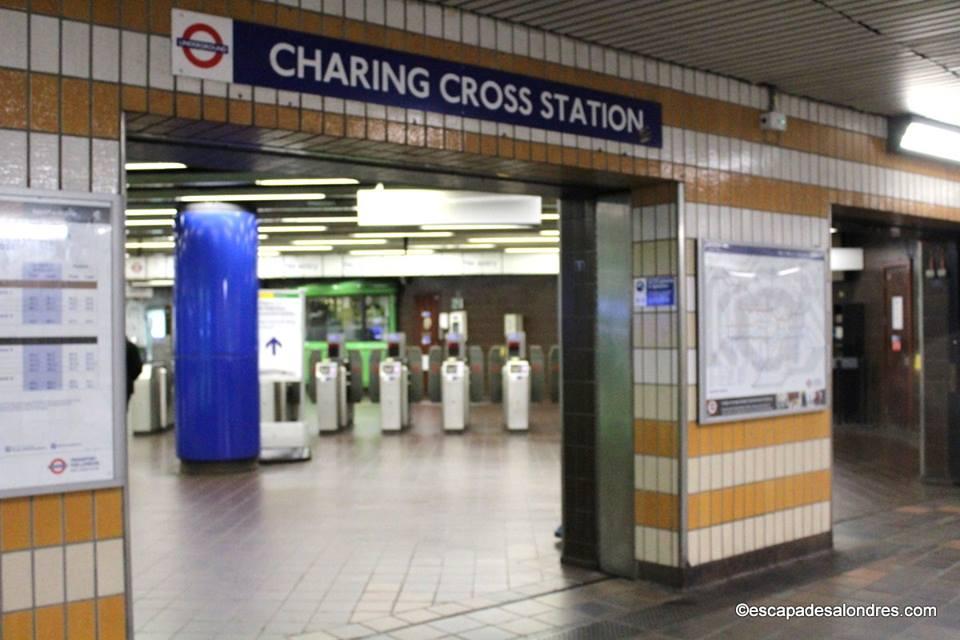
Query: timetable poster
{"type": "Point", "coordinates": [56, 360]}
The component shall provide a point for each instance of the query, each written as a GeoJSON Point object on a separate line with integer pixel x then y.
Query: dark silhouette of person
{"type": "Point", "coordinates": [134, 367]}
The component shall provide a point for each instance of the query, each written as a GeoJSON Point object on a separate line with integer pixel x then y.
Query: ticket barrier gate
{"type": "Point", "coordinates": [332, 381]}
{"type": "Point", "coordinates": [151, 405]}
{"type": "Point", "coordinates": [455, 386]}
{"type": "Point", "coordinates": [394, 377]}
{"type": "Point", "coordinates": [516, 384]}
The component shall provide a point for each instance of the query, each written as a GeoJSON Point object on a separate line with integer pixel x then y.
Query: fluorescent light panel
{"type": "Point", "coordinates": [318, 219]}
{"type": "Point", "coordinates": [405, 234]}
{"type": "Point", "coordinates": [471, 227]}
{"type": "Point", "coordinates": [307, 228]}
{"type": "Point", "coordinates": [147, 222]}
{"type": "Point", "coordinates": [154, 166]}
{"type": "Point", "coordinates": [286, 248]}
{"type": "Point", "coordinates": [929, 139]}
{"type": "Point", "coordinates": [304, 182]}
{"type": "Point", "coordinates": [515, 240]}
{"type": "Point", "coordinates": [340, 242]}
{"type": "Point", "coordinates": [133, 213]}
{"type": "Point", "coordinates": [249, 197]}
{"type": "Point", "coordinates": [549, 216]}
{"type": "Point", "coordinates": [151, 244]}
{"type": "Point", "coordinates": [391, 252]}
{"type": "Point", "coordinates": [455, 247]}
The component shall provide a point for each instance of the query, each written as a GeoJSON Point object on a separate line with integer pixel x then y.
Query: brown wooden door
{"type": "Point", "coordinates": [897, 375]}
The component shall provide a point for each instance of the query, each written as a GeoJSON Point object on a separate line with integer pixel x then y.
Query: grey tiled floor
{"type": "Point", "coordinates": [425, 535]}
{"type": "Point", "coordinates": [382, 530]}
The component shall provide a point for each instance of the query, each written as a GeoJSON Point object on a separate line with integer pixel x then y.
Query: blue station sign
{"type": "Point", "coordinates": [227, 50]}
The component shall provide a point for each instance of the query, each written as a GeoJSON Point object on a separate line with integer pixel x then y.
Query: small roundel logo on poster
{"type": "Point", "coordinates": [202, 45]}
{"type": "Point", "coordinates": [57, 466]}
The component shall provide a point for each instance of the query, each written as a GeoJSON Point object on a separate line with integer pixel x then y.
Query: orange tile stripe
{"type": "Point", "coordinates": [704, 440]}
{"type": "Point", "coordinates": [758, 498]}
{"type": "Point", "coordinates": [709, 508]}
{"type": "Point", "coordinates": [655, 438]}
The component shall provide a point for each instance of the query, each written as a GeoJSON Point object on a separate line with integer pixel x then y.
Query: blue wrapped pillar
{"type": "Point", "coordinates": [215, 305]}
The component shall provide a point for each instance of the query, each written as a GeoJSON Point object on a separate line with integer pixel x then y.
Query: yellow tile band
{"type": "Point", "coordinates": [704, 440]}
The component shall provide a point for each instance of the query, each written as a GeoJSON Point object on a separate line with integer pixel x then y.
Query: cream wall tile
{"type": "Point", "coordinates": [13, 39]}
{"type": "Point", "coordinates": [76, 43]}
{"type": "Point", "coordinates": [693, 475]}
{"type": "Point", "coordinates": [433, 20]}
{"type": "Point", "coordinates": [395, 14]}
{"type": "Point", "coordinates": [353, 9]}
{"type": "Point", "coordinates": [335, 7]}
{"type": "Point", "coordinates": [726, 534]}
{"type": "Point", "coordinates": [159, 53]}
{"type": "Point", "coordinates": [44, 44]}
{"type": "Point", "coordinates": [133, 62]}
{"type": "Point", "coordinates": [16, 578]}
{"type": "Point", "coordinates": [106, 166]}
{"type": "Point", "coordinates": [110, 567]}
{"type": "Point", "coordinates": [13, 150]}
{"type": "Point", "coordinates": [375, 11]}
{"type": "Point", "coordinates": [106, 54]}
{"type": "Point", "coordinates": [48, 576]}
{"type": "Point", "coordinates": [693, 547]}
{"type": "Point", "coordinates": [44, 161]}
{"type": "Point", "coordinates": [80, 573]}
{"type": "Point", "coordinates": [738, 537]}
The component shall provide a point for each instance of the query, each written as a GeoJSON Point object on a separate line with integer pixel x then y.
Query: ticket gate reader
{"type": "Point", "coordinates": [334, 410]}
{"type": "Point", "coordinates": [516, 384]}
{"type": "Point", "coordinates": [394, 385]}
{"type": "Point", "coordinates": [455, 386]}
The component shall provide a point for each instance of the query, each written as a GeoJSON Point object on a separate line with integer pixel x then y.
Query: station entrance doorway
{"type": "Point", "coordinates": [895, 328]}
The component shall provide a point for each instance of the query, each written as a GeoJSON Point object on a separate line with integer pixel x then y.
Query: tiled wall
{"type": "Point", "coordinates": [62, 567]}
{"type": "Point", "coordinates": [755, 483]}
{"type": "Point", "coordinates": [656, 384]}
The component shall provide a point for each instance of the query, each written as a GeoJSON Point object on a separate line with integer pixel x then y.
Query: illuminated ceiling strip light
{"type": "Point", "coordinates": [515, 240]}
{"type": "Point", "coordinates": [471, 227]}
{"type": "Point", "coordinates": [455, 247]}
{"type": "Point", "coordinates": [930, 138]}
{"type": "Point", "coordinates": [145, 222]}
{"type": "Point", "coordinates": [405, 234]}
{"type": "Point", "coordinates": [249, 197]}
{"type": "Point", "coordinates": [391, 252]}
{"type": "Point", "coordinates": [550, 232]}
{"type": "Point", "coordinates": [340, 242]}
{"type": "Point", "coordinates": [311, 209]}
{"type": "Point", "coordinates": [150, 212]}
{"type": "Point", "coordinates": [319, 219]}
{"type": "Point", "coordinates": [154, 166]}
{"type": "Point", "coordinates": [549, 216]}
{"type": "Point", "coordinates": [285, 248]}
{"type": "Point", "coordinates": [304, 182]}
{"type": "Point", "coordinates": [317, 228]}
{"type": "Point", "coordinates": [157, 244]}
{"type": "Point", "coordinates": [553, 250]}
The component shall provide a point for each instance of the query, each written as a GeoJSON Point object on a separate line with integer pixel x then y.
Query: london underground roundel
{"type": "Point", "coordinates": [202, 46]}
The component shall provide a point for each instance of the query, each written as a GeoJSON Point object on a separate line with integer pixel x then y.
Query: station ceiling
{"type": "Point", "coordinates": [880, 56]}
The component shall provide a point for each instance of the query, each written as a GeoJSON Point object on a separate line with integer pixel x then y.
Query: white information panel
{"type": "Point", "coordinates": [60, 388]}
{"type": "Point", "coordinates": [282, 331]}
{"type": "Point", "coordinates": [763, 331]}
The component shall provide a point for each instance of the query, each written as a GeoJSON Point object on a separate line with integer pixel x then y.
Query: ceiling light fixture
{"type": "Point", "coordinates": [131, 213]}
{"type": "Point", "coordinates": [455, 247]}
{"type": "Point", "coordinates": [550, 232]}
{"type": "Point", "coordinates": [154, 166]}
{"type": "Point", "coordinates": [249, 197]}
{"type": "Point", "coordinates": [391, 252]}
{"type": "Point", "coordinates": [405, 234]}
{"type": "Point", "coordinates": [549, 216]}
{"type": "Point", "coordinates": [920, 136]}
{"type": "Point", "coordinates": [149, 222]}
{"type": "Point", "coordinates": [471, 227]}
{"type": "Point", "coordinates": [304, 182]}
{"type": "Point", "coordinates": [515, 240]}
{"type": "Point", "coordinates": [356, 242]}
{"type": "Point", "coordinates": [318, 219]}
{"type": "Point", "coordinates": [306, 228]}
{"type": "Point", "coordinates": [285, 248]}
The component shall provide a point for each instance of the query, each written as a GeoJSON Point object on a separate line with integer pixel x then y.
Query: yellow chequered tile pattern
{"type": "Point", "coordinates": [61, 575]}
